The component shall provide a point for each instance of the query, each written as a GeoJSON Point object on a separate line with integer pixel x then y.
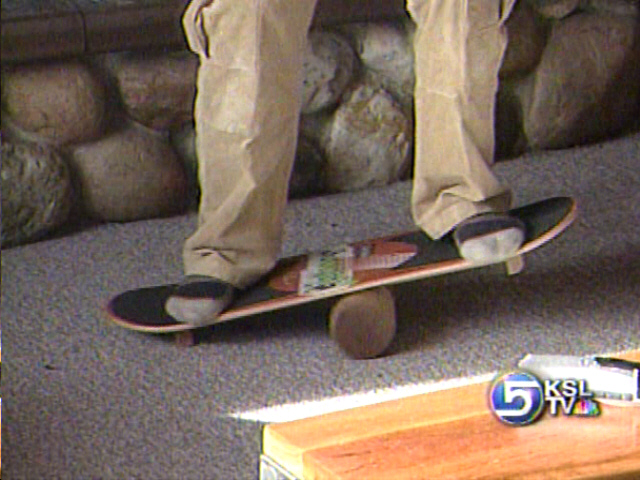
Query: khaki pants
{"type": "Point", "coordinates": [247, 111]}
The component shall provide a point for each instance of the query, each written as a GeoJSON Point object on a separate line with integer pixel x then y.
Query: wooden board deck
{"type": "Point", "coordinates": [452, 434]}
{"type": "Point", "coordinates": [378, 262]}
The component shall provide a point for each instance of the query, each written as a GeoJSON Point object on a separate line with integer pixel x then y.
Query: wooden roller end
{"type": "Point", "coordinates": [364, 324]}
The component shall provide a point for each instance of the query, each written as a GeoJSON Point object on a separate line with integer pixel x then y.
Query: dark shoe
{"type": "Point", "coordinates": [199, 299]}
{"type": "Point", "coordinates": [489, 237]}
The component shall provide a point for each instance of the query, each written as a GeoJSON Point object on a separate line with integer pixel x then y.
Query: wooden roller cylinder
{"type": "Point", "coordinates": [363, 324]}
{"type": "Point", "coordinates": [186, 338]}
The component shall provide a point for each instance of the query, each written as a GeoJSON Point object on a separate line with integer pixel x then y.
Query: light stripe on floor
{"type": "Point", "coordinates": [295, 411]}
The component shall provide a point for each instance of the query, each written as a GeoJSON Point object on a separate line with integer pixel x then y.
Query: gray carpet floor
{"type": "Point", "coordinates": [84, 398]}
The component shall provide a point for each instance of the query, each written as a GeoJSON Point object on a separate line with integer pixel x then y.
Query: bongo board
{"type": "Point", "coordinates": [363, 319]}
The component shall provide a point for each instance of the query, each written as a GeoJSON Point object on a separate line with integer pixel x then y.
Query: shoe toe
{"type": "Point", "coordinates": [194, 312]}
{"type": "Point", "coordinates": [493, 247]}
{"type": "Point", "coordinates": [199, 303]}
{"type": "Point", "coordinates": [489, 238]}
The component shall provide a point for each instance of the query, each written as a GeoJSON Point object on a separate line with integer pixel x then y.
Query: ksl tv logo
{"type": "Point", "coordinates": [520, 398]}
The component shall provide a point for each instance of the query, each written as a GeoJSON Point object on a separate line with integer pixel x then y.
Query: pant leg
{"type": "Point", "coordinates": [459, 46]}
{"type": "Point", "coordinates": [246, 114]}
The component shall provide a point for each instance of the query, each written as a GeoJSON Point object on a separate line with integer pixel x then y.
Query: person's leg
{"type": "Point", "coordinates": [246, 115]}
{"type": "Point", "coordinates": [458, 47]}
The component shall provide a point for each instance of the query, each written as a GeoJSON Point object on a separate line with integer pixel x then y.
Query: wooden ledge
{"type": "Point", "coordinates": [452, 434]}
{"type": "Point", "coordinates": [49, 29]}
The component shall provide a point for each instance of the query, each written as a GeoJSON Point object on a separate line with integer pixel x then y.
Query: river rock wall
{"type": "Point", "coordinates": [111, 137]}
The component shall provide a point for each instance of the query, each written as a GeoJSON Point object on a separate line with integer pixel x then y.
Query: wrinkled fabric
{"type": "Point", "coordinates": [247, 112]}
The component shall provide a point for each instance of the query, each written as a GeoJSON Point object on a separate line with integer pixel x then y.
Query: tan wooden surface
{"type": "Point", "coordinates": [452, 434]}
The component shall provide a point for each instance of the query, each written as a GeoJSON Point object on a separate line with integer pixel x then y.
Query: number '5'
{"type": "Point", "coordinates": [515, 389]}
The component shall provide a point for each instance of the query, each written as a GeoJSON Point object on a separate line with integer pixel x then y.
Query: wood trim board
{"type": "Point", "coordinates": [53, 29]}
{"type": "Point", "coordinates": [452, 434]}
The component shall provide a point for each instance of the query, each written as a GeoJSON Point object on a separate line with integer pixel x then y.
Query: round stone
{"type": "Point", "coordinates": [37, 193]}
{"type": "Point", "coordinates": [131, 174]}
{"type": "Point", "coordinates": [62, 103]}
